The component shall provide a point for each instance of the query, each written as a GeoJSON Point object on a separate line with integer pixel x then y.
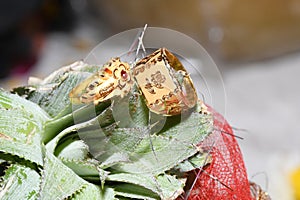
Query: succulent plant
{"type": "Point", "coordinates": [53, 150]}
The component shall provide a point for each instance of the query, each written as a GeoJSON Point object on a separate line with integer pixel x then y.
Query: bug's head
{"type": "Point", "coordinates": [122, 73]}
{"type": "Point", "coordinates": [120, 70]}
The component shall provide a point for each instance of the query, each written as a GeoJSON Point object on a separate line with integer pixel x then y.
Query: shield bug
{"type": "Point", "coordinates": [114, 79]}
{"type": "Point", "coordinates": [165, 84]}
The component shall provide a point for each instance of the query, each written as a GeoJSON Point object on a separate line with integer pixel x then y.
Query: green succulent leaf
{"type": "Point", "coordinates": [197, 161]}
{"type": "Point", "coordinates": [59, 181]}
{"type": "Point", "coordinates": [52, 93]}
{"type": "Point", "coordinates": [21, 125]}
{"type": "Point", "coordinates": [75, 155]}
{"type": "Point", "coordinates": [163, 185]}
{"type": "Point", "coordinates": [91, 191]}
{"type": "Point", "coordinates": [19, 182]}
{"type": "Point", "coordinates": [152, 153]}
{"type": "Point", "coordinates": [130, 191]}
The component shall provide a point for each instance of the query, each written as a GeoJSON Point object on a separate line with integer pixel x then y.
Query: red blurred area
{"type": "Point", "coordinates": [226, 177]}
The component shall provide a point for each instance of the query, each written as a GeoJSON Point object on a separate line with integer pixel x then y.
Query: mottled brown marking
{"type": "Point", "coordinates": [106, 91]}
{"type": "Point", "coordinates": [91, 87]}
{"type": "Point", "coordinates": [114, 74]}
{"type": "Point", "coordinates": [158, 79]}
{"type": "Point", "coordinates": [2, 135]}
{"type": "Point", "coordinates": [159, 58]}
{"type": "Point", "coordinates": [120, 86]}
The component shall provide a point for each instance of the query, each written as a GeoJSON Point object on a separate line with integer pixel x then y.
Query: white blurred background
{"type": "Point", "coordinates": [255, 45]}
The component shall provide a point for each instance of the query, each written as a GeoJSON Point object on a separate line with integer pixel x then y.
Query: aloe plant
{"type": "Point", "coordinates": [51, 149]}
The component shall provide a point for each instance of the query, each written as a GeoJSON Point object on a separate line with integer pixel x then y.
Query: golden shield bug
{"type": "Point", "coordinates": [165, 84]}
{"type": "Point", "coordinates": [114, 79]}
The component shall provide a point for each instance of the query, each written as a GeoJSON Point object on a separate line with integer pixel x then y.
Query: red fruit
{"type": "Point", "coordinates": [227, 167]}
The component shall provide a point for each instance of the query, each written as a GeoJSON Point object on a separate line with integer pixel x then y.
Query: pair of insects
{"type": "Point", "coordinates": [165, 84]}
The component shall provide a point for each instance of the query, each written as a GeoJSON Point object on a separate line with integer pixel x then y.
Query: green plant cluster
{"type": "Point", "coordinates": [51, 149]}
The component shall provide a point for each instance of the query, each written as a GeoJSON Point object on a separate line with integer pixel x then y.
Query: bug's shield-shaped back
{"type": "Point", "coordinates": [165, 84]}
{"type": "Point", "coordinates": [114, 79]}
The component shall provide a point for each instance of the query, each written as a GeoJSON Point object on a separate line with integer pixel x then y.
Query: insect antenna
{"type": "Point", "coordinates": [138, 41]}
{"type": "Point", "coordinates": [231, 134]}
{"type": "Point", "coordinates": [240, 129]}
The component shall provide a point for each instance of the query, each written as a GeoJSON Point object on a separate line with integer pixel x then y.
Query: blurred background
{"type": "Point", "coordinates": [255, 44]}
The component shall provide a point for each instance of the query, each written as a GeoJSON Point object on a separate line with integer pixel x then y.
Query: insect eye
{"type": "Point", "coordinates": [124, 74]}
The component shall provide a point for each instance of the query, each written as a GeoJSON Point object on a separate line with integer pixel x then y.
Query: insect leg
{"type": "Point", "coordinates": [200, 170]}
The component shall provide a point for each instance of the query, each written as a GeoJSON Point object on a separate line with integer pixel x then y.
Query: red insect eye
{"type": "Point", "coordinates": [124, 74]}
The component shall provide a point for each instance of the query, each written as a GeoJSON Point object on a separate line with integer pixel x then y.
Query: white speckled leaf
{"type": "Point", "coordinates": [52, 93]}
{"type": "Point", "coordinates": [21, 124]}
{"type": "Point", "coordinates": [91, 191]}
{"type": "Point", "coordinates": [165, 186]}
{"type": "Point", "coordinates": [19, 182]}
{"type": "Point", "coordinates": [60, 182]}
